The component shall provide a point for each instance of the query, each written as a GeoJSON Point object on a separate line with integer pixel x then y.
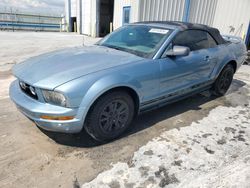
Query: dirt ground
{"type": "Point", "coordinates": [150, 153]}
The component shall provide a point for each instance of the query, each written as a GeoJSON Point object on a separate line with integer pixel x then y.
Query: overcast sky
{"type": "Point", "coordinates": [39, 6]}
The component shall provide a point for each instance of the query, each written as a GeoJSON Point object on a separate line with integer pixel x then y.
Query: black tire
{"type": "Point", "coordinates": [110, 116]}
{"type": "Point", "coordinates": [223, 81]}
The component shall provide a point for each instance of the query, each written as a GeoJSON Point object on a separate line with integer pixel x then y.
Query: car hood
{"type": "Point", "coordinates": [53, 69]}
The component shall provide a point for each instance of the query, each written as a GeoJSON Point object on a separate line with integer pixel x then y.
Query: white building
{"type": "Point", "coordinates": [99, 17]}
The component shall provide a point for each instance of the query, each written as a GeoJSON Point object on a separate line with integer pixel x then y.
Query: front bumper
{"type": "Point", "coordinates": [34, 109]}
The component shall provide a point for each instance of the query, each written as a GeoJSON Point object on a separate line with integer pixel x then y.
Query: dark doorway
{"type": "Point", "coordinates": [106, 17]}
{"type": "Point", "coordinates": [248, 37]}
{"type": "Point", "coordinates": [73, 24]}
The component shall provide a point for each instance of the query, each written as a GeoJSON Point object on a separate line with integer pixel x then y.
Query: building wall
{"type": "Point", "coordinates": [79, 16]}
{"type": "Point", "coordinates": [85, 13]}
{"type": "Point", "coordinates": [198, 11]}
{"type": "Point", "coordinates": [118, 11]}
{"type": "Point", "coordinates": [86, 17]}
{"type": "Point", "coordinates": [161, 10]}
{"type": "Point", "coordinates": [202, 11]}
{"type": "Point", "coordinates": [73, 8]}
{"type": "Point", "coordinates": [222, 14]}
{"type": "Point", "coordinates": [235, 13]}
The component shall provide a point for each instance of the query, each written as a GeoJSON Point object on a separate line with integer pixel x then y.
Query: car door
{"type": "Point", "coordinates": [179, 73]}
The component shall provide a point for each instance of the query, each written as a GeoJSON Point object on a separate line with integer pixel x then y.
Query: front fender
{"type": "Point", "coordinates": [105, 84]}
{"type": "Point", "coordinates": [94, 86]}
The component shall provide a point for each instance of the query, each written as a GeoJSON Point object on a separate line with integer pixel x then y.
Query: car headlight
{"type": "Point", "coordinates": [54, 97]}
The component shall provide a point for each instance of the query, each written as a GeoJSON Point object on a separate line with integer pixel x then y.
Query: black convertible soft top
{"type": "Point", "coordinates": [215, 33]}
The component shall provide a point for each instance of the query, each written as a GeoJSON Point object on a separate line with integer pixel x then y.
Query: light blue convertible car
{"type": "Point", "coordinates": [136, 68]}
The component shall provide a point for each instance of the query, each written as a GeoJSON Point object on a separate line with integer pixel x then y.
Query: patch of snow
{"type": "Point", "coordinates": [4, 83]}
{"type": "Point", "coordinates": [213, 152]}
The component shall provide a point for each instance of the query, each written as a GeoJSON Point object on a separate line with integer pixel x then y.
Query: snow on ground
{"type": "Point", "coordinates": [213, 152]}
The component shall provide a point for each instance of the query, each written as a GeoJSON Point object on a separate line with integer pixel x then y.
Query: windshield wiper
{"type": "Point", "coordinates": [114, 47]}
{"type": "Point", "coordinates": [141, 54]}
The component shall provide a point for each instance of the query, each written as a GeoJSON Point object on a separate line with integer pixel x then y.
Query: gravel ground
{"type": "Point", "coordinates": [198, 142]}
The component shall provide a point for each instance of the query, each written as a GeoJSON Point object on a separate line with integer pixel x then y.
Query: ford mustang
{"type": "Point", "coordinates": [138, 67]}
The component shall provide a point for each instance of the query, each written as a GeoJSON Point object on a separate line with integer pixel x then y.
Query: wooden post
{"type": "Point", "coordinates": [75, 27]}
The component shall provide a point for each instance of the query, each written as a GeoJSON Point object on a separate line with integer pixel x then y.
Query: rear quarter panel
{"type": "Point", "coordinates": [229, 52]}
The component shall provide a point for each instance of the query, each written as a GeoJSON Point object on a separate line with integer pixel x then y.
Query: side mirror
{"type": "Point", "coordinates": [178, 51]}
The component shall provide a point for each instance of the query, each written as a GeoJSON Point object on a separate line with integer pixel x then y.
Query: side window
{"type": "Point", "coordinates": [195, 40]}
{"type": "Point", "coordinates": [184, 39]}
{"type": "Point", "coordinates": [201, 41]}
{"type": "Point", "coordinates": [211, 41]}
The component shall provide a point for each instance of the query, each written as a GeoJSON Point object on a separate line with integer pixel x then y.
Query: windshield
{"type": "Point", "coordinates": [141, 40]}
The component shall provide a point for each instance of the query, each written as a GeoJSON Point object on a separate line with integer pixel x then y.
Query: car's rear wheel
{"type": "Point", "coordinates": [110, 116]}
{"type": "Point", "coordinates": [223, 81]}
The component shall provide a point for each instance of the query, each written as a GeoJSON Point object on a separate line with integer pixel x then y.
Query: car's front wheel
{"type": "Point", "coordinates": [223, 81]}
{"type": "Point", "coordinates": [110, 116]}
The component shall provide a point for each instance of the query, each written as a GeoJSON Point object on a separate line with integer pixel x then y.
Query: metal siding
{"type": "Point", "coordinates": [151, 10]}
{"type": "Point", "coordinates": [147, 9]}
{"type": "Point", "coordinates": [163, 13]}
{"type": "Point", "coordinates": [181, 10]}
{"type": "Point", "coordinates": [232, 13]}
{"type": "Point", "coordinates": [207, 13]}
{"type": "Point", "coordinates": [202, 11]}
{"type": "Point", "coordinates": [217, 13]}
{"type": "Point", "coordinates": [158, 5]}
{"type": "Point", "coordinates": [168, 10]}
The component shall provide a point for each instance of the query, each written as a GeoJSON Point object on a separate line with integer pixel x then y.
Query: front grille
{"type": "Point", "coordinates": [26, 88]}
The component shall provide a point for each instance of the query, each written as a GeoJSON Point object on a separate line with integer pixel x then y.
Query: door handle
{"type": "Point", "coordinates": [207, 58]}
